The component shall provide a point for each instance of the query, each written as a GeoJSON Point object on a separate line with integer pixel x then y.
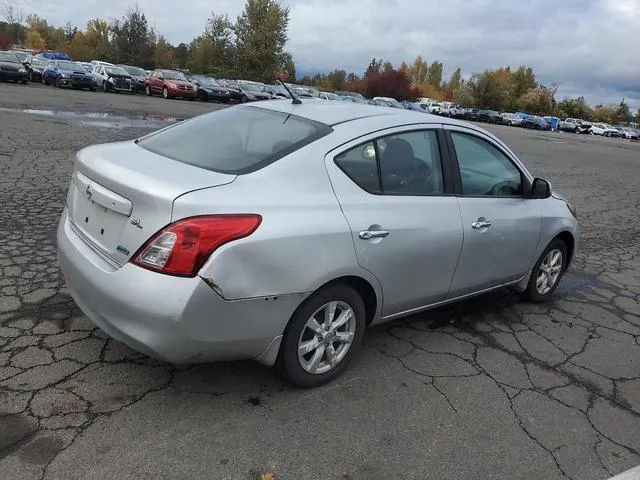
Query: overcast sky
{"type": "Point", "coordinates": [588, 47]}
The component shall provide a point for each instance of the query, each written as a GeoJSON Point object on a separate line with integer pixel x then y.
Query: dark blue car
{"type": "Point", "coordinates": [65, 73]}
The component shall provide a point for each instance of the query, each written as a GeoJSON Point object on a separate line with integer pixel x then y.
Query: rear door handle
{"type": "Point", "coordinates": [478, 224]}
{"type": "Point", "coordinates": [369, 234]}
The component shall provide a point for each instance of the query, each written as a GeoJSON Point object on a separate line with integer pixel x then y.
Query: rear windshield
{"type": "Point", "coordinates": [235, 140]}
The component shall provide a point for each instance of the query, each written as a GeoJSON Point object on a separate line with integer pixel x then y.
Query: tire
{"type": "Point", "coordinates": [289, 364]}
{"type": "Point", "coordinates": [24, 82]}
{"type": "Point", "coordinates": [93, 89]}
{"type": "Point", "coordinates": [244, 99]}
{"type": "Point", "coordinates": [147, 91]}
{"type": "Point", "coordinates": [104, 87]}
{"type": "Point", "coordinates": [203, 96]}
{"type": "Point", "coordinates": [58, 84]}
{"type": "Point", "coordinates": [533, 293]}
{"type": "Point", "coordinates": [165, 93]}
{"type": "Point", "coordinates": [30, 76]}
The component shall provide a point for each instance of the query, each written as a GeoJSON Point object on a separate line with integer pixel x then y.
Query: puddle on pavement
{"type": "Point", "coordinates": [102, 119]}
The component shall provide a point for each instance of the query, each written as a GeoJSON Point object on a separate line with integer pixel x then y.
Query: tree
{"type": "Point", "coordinates": [623, 113]}
{"type": "Point", "coordinates": [419, 72]}
{"type": "Point", "coordinates": [290, 68]}
{"type": "Point", "coordinates": [132, 39]}
{"type": "Point", "coordinates": [214, 51]}
{"type": "Point", "coordinates": [35, 40]}
{"type": "Point", "coordinates": [455, 81]}
{"type": "Point", "coordinates": [537, 101]}
{"type": "Point", "coordinates": [493, 89]}
{"type": "Point", "coordinates": [95, 38]}
{"type": "Point", "coordinates": [393, 84]}
{"type": "Point", "coordinates": [14, 17]}
{"type": "Point", "coordinates": [181, 53]}
{"type": "Point", "coordinates": [464, 95]}
{"type": "Point", "coordinates": [374, 67]}
{"type": "Point", "coordinates": [70, 31]}
{"type": "Point", "coordinates": [638, 116]}
{"type": "Point", "coordinates": [163, 54]}
{"type": "Point", "coordinates": [524, 80]}
{"type": "Point", "coordinates": [435, 74]}
{"type": "Point", "coordinates": [261, 36]}
{"type": "Point", "coordinates": [574, 108]}
{"type": "Point", "coordinates": [602, 113]}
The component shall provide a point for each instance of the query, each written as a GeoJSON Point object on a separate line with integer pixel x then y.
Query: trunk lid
{"type": "Point", "coordinates": [121, 194]}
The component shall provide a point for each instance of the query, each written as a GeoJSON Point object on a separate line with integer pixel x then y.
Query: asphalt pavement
{"type": "Point", "coordinates": [493, 388]}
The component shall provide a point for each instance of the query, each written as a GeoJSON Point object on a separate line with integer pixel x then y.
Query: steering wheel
{"type": "Point", "coordinates": [505, 188]}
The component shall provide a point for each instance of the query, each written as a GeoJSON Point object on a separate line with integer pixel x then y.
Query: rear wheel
{"type": "Point", "coordinates": [322, 336]}
{"type": "Point", "coordinates": [547, 272]}
{"type": "Point", "coordinates": [203, 96]}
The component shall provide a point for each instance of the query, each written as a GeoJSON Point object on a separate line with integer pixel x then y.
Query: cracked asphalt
{"type": "Point", "coordinates": [493, 388]}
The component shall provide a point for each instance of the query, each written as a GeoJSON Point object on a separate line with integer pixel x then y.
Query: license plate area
{"type": "Point", "coordinates": [102, 226]}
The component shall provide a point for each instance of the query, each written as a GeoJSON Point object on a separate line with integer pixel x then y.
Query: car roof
{"type": "Point", "coordinates": [333, 113]}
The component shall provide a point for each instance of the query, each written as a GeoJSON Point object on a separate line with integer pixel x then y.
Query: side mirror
{"type": "Point", "coordinates": [540, 188]}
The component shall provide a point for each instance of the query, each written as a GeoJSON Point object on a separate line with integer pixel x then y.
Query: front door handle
{"type": "Point", "coordinates": [369, 234]}
{"type": "Point", "coordinates": [480, 223]}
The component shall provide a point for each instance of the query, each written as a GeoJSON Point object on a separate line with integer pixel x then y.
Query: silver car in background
{"type": "Point", "coordinates": [279, 232]}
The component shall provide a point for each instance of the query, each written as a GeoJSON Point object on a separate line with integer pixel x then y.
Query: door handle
{"type": "Point", "coordinates": [369, 234]}
{"type": "Point", "coordinates": [478, 224]}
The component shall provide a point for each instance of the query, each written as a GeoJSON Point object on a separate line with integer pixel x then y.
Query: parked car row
{"type": "Point", "coordinates": [105, 76]}
{"type": "Point", "coordinates": [54, 68]}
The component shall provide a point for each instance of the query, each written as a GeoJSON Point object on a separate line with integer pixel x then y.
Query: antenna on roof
{"type": "Point", "coordinates": [295, 100]}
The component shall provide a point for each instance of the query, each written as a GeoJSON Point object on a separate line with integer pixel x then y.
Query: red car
{"type": "Point", "coordinates": [170, 84]}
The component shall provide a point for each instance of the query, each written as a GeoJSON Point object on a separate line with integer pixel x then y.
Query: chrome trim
{"type": "Point", "coordinates": [369, 234]}
{"type": "Point", "coordinates": [451, 300]}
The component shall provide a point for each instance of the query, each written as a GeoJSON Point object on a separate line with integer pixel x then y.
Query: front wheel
{"type": "Point", "coordinates": [147, 91]}
{"type": "Point", "coordinates": [104, 87]}
{"type": "Point", "coordinates": [165, 93]}
{"type": "Point", "coordinates": [244, 99]}
{"type": "Point", "coordinates": [322, 336]}
{"type": "Point", "coordinates": [547, 272]}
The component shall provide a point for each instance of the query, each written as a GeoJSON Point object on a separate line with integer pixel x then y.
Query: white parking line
{"type": "Point", "coordinates": [632, 474]}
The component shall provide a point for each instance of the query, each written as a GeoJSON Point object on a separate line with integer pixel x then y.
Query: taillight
{"type": "Point", "coordinates": [184, 246]}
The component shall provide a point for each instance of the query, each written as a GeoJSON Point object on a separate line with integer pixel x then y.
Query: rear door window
{"type": "Point", "coordinates": [235, 140]}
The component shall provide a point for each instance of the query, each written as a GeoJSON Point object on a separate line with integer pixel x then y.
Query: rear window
{"type": "Point", "coordinates": [235, 140]}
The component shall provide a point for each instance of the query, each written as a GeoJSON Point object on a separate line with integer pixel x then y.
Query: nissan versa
{"type": "Point", "coordinates": [280, 231]}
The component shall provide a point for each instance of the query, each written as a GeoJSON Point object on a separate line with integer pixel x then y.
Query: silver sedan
{"type": "Point", "coordinates": [279, 232]}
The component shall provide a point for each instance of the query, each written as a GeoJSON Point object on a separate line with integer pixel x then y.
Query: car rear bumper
{"type": "Point", "coordinates": [180, 320]}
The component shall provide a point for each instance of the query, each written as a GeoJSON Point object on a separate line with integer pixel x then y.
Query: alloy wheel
{"type": "Point", "coordinates": [549, 271]}
{"type": "Point", "coordinates": [326, 337]}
